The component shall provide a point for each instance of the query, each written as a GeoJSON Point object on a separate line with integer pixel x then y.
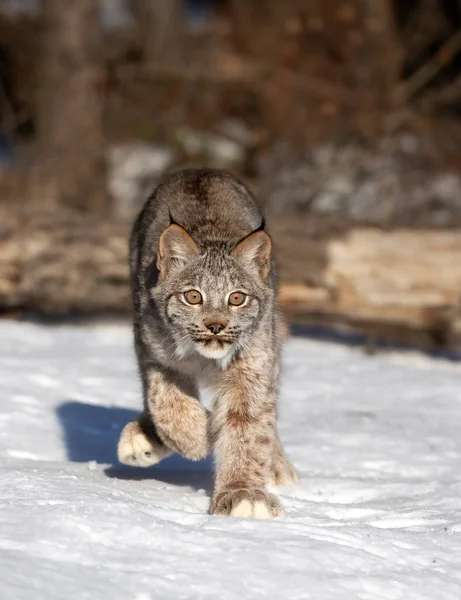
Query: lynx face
{"type": "Point", "coordinates": [211, 300]}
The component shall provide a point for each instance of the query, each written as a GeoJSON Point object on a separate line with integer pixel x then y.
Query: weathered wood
{"type": "Point", "coordinates": [63, 263]}
{"type": "Point", "coordinates": [386, 282]}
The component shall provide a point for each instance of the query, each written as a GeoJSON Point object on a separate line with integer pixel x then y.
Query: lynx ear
{"type": "Point", "coordinates": [176, 248]}
{"type": "Point", "coordinates": [255, 251]}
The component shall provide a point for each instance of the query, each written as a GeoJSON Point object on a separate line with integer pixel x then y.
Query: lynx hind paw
{"type": "Point", "coordinates": [137, 450]}
{"type": "Point", "coordinates": [247, 503]}
{"type": "Point", "coordinates": [282, 473]}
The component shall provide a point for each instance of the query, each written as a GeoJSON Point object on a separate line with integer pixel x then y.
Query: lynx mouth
{"type": "Point", "coordinates": [215, 341]}
{"type": "Point", "coordinates": [213, 347]}
{"type": "Point", "coordinates": [221, 340]}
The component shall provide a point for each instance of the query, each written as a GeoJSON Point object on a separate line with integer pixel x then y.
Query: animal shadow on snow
{"type": "Point", "coordinates": [91, 433]}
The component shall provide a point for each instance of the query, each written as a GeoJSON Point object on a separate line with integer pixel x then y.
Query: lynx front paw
{"type": "Point", "coordinates": [136, 449]}
{"type": "Point", "coordinates": [253, 503]}
{"type": "Point", "coordinates": [282, 472]}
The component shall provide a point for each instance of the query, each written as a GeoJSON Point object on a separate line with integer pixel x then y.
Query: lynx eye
{"type": "Point", "coordinates": [237, 298]}
{"type": "Point", "coordinates": [193, 297]}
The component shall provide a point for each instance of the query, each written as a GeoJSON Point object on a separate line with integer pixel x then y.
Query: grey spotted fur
{"type": "Point", "coordinates": [197, 232]}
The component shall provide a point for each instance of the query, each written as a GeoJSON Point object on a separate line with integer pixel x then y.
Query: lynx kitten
{"type": "Point", "coordinates": [203, 287]}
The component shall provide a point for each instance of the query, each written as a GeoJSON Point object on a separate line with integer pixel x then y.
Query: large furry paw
{"type": "Point", "coordinates": [282, 472]}
{"type": "Point", "coordinates": [136, 449]}
{"type": "Point", "coordinates": [246, 503]}
{"type": "Point", "coordinates": [185, 429]}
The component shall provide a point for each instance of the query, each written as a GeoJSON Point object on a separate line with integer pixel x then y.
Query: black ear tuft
{"type": "Point", "coordinates": [172, 221]}
{"type": "Point", "coordinates": [262, 227]}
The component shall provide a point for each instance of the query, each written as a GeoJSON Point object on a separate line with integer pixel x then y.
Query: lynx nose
{"type": "Point", "coordinates": [215, 326]}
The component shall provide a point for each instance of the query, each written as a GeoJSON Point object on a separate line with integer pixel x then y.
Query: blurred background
{"type": "Point", "coordinates": [343, 116]}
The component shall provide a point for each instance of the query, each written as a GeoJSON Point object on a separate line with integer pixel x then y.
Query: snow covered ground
{"type": "Point", "coordinates": [377, 514]}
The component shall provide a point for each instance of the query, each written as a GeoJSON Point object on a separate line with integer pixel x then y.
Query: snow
{"type": "Point", "coordinates": [377, 442]}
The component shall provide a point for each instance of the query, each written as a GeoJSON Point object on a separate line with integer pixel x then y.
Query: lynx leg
{"type": "Point", "coordinates": [139, 444]}
{"type": "Point", "coordinates": [244, 435]}
{"type": "Point", "coordinates": [180, 420]}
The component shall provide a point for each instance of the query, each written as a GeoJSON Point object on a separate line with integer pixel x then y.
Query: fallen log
{"type": "Point", "coordinates": [402, 285]}
{"type": "Point", "coordinates": [63, 263]}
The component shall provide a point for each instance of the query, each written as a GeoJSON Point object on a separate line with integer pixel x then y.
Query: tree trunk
{"type": "Point", "coordinates": [71, 141]}
{"type": "Point", "coordinates": [162, 30]}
